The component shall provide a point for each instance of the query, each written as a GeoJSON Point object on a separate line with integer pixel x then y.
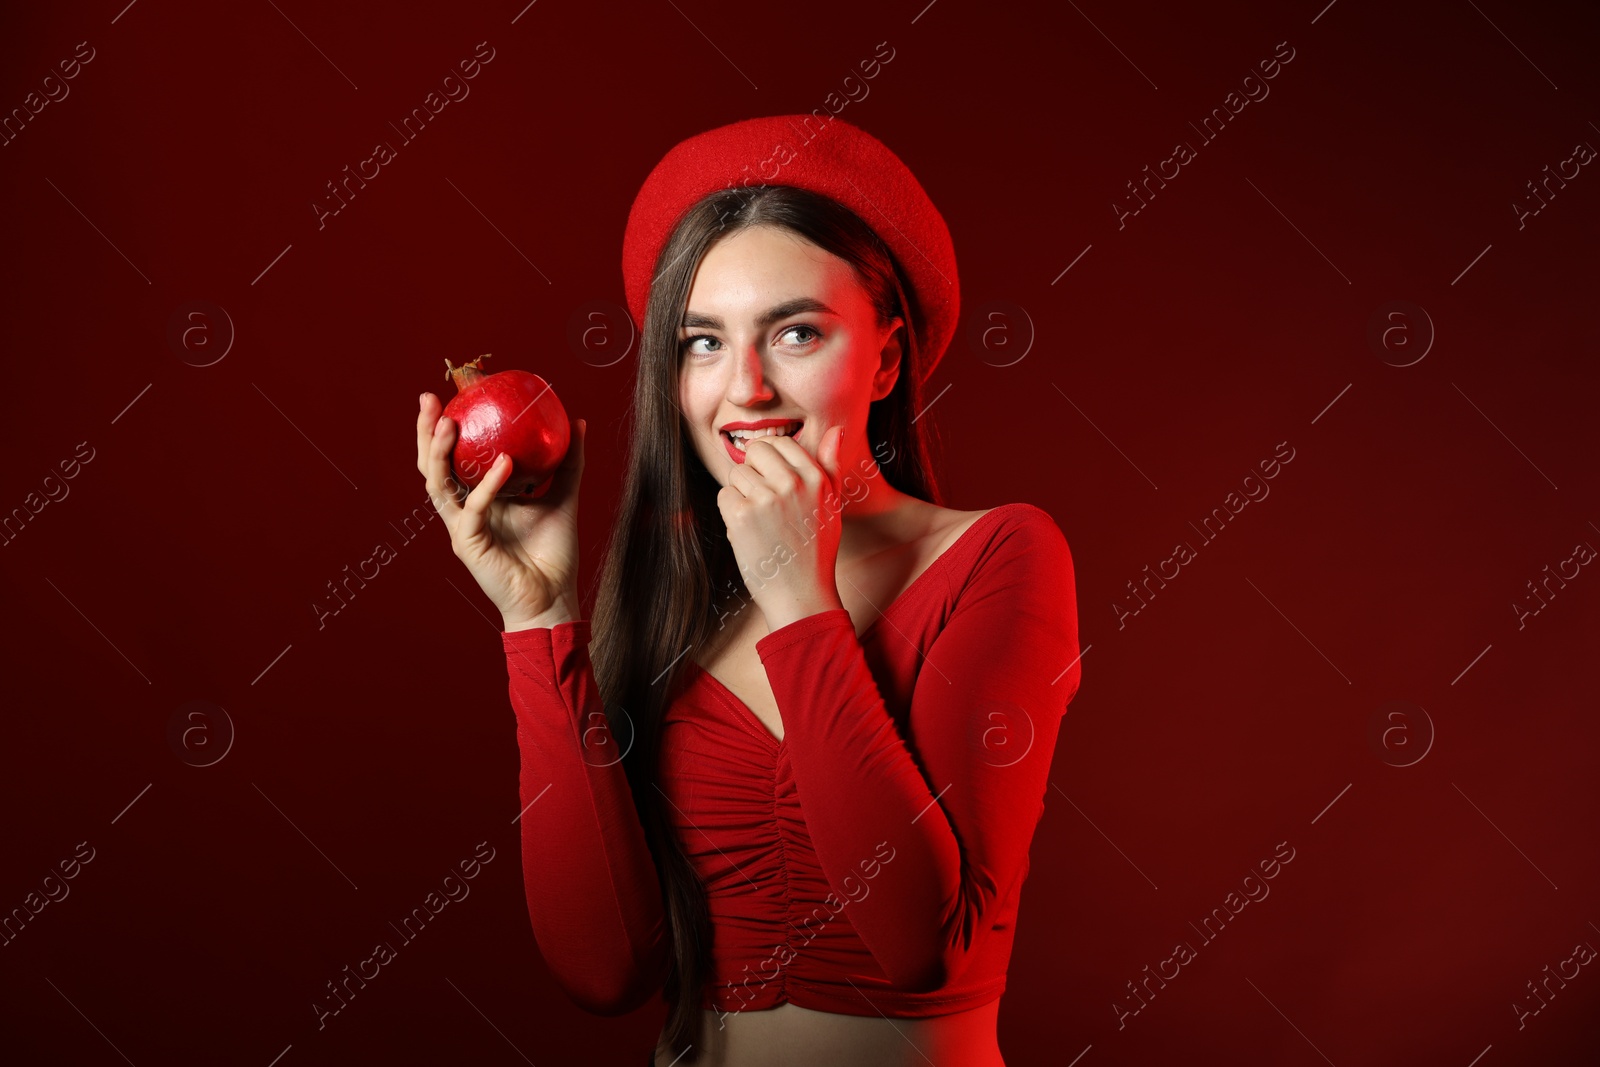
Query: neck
{"type": "Point", "coordinates": [873, 522]}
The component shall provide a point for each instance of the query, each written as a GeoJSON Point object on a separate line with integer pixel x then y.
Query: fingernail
{"type": "Point", "coordinates": [422, 398]}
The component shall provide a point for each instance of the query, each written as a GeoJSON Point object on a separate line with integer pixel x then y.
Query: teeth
{"type": "Point", "coordinates": [768, 431]}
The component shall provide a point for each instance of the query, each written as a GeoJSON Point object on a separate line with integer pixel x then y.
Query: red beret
{"type": "Point", "coordinates": [839, 160]}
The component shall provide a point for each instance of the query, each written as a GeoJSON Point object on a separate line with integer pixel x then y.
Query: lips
{"type": "Point", "coordinates": [762, 424]}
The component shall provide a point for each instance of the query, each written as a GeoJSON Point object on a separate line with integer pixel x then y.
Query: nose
{"type": "Point", "coordinates": [748, 384]}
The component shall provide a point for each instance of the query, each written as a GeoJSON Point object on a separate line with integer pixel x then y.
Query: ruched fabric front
{"type": "Point", "coordinates": [780, 933]}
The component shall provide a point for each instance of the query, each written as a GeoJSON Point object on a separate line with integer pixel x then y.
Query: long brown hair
{"type": "Point", "coordinates": [670, 574]}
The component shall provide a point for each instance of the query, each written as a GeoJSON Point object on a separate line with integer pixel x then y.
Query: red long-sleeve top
{"type": "Point", "coordinates": [869, 863]}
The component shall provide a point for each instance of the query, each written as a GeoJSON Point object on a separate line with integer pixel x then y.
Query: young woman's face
{"type": "Point", "coordinates": [778, 329]}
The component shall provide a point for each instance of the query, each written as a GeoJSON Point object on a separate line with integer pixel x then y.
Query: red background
{"type": "Point", "coordinates": [1228, 316]}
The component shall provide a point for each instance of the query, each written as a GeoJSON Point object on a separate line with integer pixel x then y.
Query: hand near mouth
{"type": "Point", "coordinates": [782, 510]}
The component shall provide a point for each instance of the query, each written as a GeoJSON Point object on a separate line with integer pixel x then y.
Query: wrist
{"type": "Point", "coordinates": [560, 612]}
{"type": "Point", "coordinates": [795, 610]}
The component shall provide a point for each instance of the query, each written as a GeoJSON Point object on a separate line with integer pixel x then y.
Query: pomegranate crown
{"type": "Point", "coordinates": [467, 373]}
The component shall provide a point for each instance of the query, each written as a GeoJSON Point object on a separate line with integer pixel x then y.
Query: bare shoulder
{"type": "Point", "coordinates": [946, 525]}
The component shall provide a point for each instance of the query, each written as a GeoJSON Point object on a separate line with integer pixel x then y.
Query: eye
{"type": "Point", "coordinates": [815, 335]}
{"type": "Point", "coordinates": [687, 344]}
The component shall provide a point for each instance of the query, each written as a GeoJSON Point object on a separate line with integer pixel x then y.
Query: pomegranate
{"type": "Point", "coordinates": [510, 411]}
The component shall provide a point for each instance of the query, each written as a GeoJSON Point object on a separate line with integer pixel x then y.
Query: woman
{"type": "Point", "coordinates": [795, 786]}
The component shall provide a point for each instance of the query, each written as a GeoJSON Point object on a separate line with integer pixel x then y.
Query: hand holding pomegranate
{"type": "Point", "coordinates": [522, 550]}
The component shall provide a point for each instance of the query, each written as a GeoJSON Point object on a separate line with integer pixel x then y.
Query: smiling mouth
{"type": "Point", "coordinates": [743, 443]}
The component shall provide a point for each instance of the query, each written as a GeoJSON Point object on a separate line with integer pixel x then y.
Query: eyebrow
{"type": "Point", "coordinates": [797, 306]}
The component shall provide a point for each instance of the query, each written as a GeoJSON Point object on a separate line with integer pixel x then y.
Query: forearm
{"type": "Point", "coordinates": [881, 838]}
{"type": "Point", "coordinates": [593, 894]}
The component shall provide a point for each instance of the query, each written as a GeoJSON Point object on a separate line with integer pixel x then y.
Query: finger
{"type": "Point", "coordinates": [729, 499]}
{"type": "Point", "coordinates": [750, 483]}
{"type": "Point", "coordinates": [820, 473]}
{"type": "Point", "coordinates": [576, 448]}
{"type": "Point", "coordinates": [475, 509]}
{"type": "Point", "coordinates": [427, 414]}
{"type": "Point", "coordinates": [833, 442]}
{"type": "Point", "coordinates": [569, 472]}
{"type": "Point", "coordinates": [828, 451]}
{"type": "Point", "coordinates": [787, 460]}
{"type": "Point", "coordinates": [443, 489]}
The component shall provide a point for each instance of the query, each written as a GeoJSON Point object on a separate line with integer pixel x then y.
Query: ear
{"type": "Point", "coordinates": [889, 359]}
